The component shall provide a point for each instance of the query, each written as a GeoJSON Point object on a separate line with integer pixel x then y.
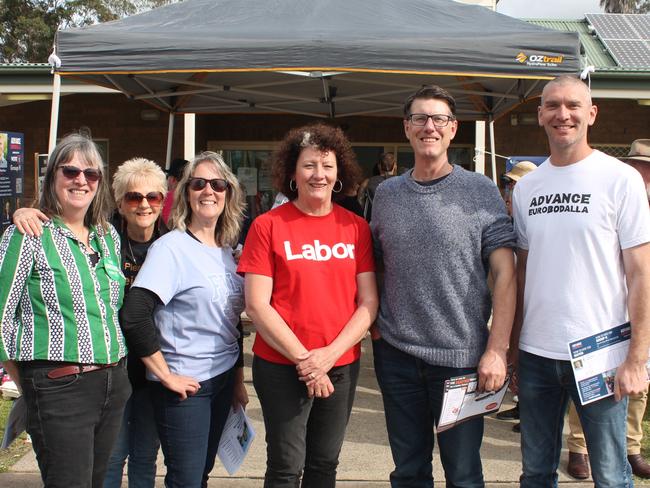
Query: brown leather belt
{"type": "Point", "coordinates": [76, 369]}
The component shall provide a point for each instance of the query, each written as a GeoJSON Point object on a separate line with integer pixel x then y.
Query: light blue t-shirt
{"type": "Point", "coordinates": [202, 299]}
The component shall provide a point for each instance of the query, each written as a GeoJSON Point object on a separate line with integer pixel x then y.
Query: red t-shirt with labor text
{"type": "Point", "coordinates": [314, 262]}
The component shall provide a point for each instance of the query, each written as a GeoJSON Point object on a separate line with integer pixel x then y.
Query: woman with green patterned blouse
{"type": "Point", "coordinates": [60, 337]}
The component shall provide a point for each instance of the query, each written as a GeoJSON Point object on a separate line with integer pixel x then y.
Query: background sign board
{"type": "Point", "coordinates": [12, 158]}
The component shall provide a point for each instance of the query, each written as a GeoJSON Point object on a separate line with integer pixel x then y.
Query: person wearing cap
{"type": "Point", "coordinates": [174, 174]}
{"type": "Point", "coordinates": [583, 266]}
{"type": "Point", "coordinates": [517, 172]}
{"type": "Point", "coordinates": [578, 466]}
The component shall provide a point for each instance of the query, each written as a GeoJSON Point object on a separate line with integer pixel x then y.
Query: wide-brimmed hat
{"type": "Point", "coordinates": [640, 151]}
{"type": "Point", "coordinates": [176, 168]}
{"type": "Point", "coordinates": [521, 169]}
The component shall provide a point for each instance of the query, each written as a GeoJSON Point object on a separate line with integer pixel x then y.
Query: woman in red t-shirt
{"type": "Point", "coordinates": [311, 293]}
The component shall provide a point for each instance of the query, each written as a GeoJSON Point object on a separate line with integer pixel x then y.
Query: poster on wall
{"type": "Point", "coordinates": [12, 157]}
{"type": "Point", "coordinates": [40, 165]}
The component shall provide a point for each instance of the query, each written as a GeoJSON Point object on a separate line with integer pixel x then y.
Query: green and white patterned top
{"type": "Point", "coordinates": [55, 304]}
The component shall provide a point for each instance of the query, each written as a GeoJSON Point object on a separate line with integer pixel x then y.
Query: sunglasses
{"type": "Point", "coordinates": [92, 175]}
{"type": "Point", "coordinates": [134, 198]}
{"type": "Point", "coordinates": [219, 185]}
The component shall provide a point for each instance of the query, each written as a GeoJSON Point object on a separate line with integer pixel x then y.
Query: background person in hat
{"type": "Point", "coordinates": [518, 171]}
{"type": "Point", "coordinates": [578, 467]}
{"type": "Point", "coordinates": [174, 174]}
{"type": "Point", "coordinates": [639, 159]}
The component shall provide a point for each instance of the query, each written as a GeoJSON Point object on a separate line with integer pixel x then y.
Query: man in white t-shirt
{"type": "Point", "coordinates": [583, 267]}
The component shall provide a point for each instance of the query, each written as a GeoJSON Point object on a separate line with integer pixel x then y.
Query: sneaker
{"type": "Point", "coordinates": [9, 388]}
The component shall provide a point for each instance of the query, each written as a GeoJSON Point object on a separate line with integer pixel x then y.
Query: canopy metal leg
{"type": "Point", "coordinates": [54, 116]}
{"type": "Point", "coordinates": [189, 149]}
{"type": "Point", "coordinates": [493, 149]}
{"type": "Point", "coordinates": [170, 138]}
{"type": "Point", "coordinates": [479, 151]}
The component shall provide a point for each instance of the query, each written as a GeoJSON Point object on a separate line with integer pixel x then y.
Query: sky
{"type": "Point", "coordinates": [548, 9]}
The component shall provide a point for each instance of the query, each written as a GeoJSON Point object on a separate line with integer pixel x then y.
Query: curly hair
{"type": "Point", "coordinates": [135, 171]}
{"type": "Point", "coordinates": [228, 226]}
{"type": "Point", "coordinates": [102, 204]}
{"type": "Point", "coordinates": [324, 138]}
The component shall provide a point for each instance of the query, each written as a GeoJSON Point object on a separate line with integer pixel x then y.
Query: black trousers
{"type": "Point", "coordinates": [302, 433]}
{"type": "Point", "coordinates": [73, 421]}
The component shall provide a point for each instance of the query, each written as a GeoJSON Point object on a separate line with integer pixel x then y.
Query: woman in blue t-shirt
{"type": "Point", "coordinates": [182, 318]}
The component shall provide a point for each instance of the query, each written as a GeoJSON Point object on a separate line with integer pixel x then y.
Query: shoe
{"type": "Point", "coordinates": [512, 414]}
{"type": "Point", "coordinates": [578, 466]}
{"type": "Point", "coordinates": [640, 466]}
{"type": "Point", "coordinates": [9, 388]}
{"type": "Point", "coordinates": [517, 428]}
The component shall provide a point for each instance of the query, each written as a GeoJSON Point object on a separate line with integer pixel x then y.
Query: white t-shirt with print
{"type": "Point", "coordinates": [574, 221]}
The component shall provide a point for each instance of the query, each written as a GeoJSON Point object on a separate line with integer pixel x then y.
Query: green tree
{"type": "Point", "coordinates": [28, 27]}
{"type": "Point", "coordinates": [626, 6]}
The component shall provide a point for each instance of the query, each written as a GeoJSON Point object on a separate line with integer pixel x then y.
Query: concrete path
{"type": "Point", "coordinates": [365, 460]}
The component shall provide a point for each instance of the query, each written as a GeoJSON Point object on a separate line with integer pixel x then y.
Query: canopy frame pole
{"type": "Point", "coordinates": [170, 139]}
{"type": "Point", "coordinates": [189, 146]}
{"type": "Point", "coordinates": [493, 157]}
{"type": "Point", "coordinates": [54, 115]}
{"type": "Point", "coordinates": [479, 150]}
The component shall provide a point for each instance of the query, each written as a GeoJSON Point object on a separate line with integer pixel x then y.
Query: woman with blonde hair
{"type": "Point", "coordinates": [139, 187]}
{"type": "Point", "coordinates": [188, 292]}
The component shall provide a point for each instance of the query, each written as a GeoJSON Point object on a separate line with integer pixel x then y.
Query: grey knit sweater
{"type": "Point", "coordinates": [435, 242]}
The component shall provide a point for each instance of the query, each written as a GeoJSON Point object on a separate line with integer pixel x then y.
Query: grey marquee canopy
{"type": "Point", "coordinates": [323, 58]}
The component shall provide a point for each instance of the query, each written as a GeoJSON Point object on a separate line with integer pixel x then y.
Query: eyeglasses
{"type": "Point", "coordinates": [439, 120]}
{"type": "Point", "coordinates": [219, 185]}
{"type": "Point", "coordinates": [92, 175]}
{"type": "Point", "coordinates": [133, 198]}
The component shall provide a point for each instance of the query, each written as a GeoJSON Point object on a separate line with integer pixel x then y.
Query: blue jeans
{"type": "Point", "coordinates": [545, 386]}
{"type": "Point", "coordinates": [138, 440]}
{"type": "Point", "coordinates": [190, 429]}
{"type": "Point", "coordinates": [412, 393]}
{"type": "Point", "coordinates": [302, 433]}
{"type": "Point", "coordinates": [73, 421]}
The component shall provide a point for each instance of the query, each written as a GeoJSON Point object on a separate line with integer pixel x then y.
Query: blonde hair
{"type": "Point", "coordinates": [228, 226]}
{"type": "Point", "coordinates": [138, 170]}
{"type": "Point", "coordinates": [102, 204]}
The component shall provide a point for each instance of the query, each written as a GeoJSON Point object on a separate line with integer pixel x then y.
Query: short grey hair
{"type": "Point", "coordinates": [135, 171]}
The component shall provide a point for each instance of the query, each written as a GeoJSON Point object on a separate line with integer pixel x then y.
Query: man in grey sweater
{"type": "Point", "coordinates": [439, 230]}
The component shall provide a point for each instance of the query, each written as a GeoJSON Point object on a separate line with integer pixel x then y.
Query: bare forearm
{"type": "Point", "coordinates": [504, 298]}
{"type": "Point", "coordinates": [639, 312]}
{"type": "Point", "coordinates": [522, 259]}
{"type": "Point", "coordinates": [503, 312]}
{"type": "Point", "coordinates": [354, 330]}
{"type": "Point", "coordinates": [275, 331]}
{"type": "Point", "coordinates": [157, 365]}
